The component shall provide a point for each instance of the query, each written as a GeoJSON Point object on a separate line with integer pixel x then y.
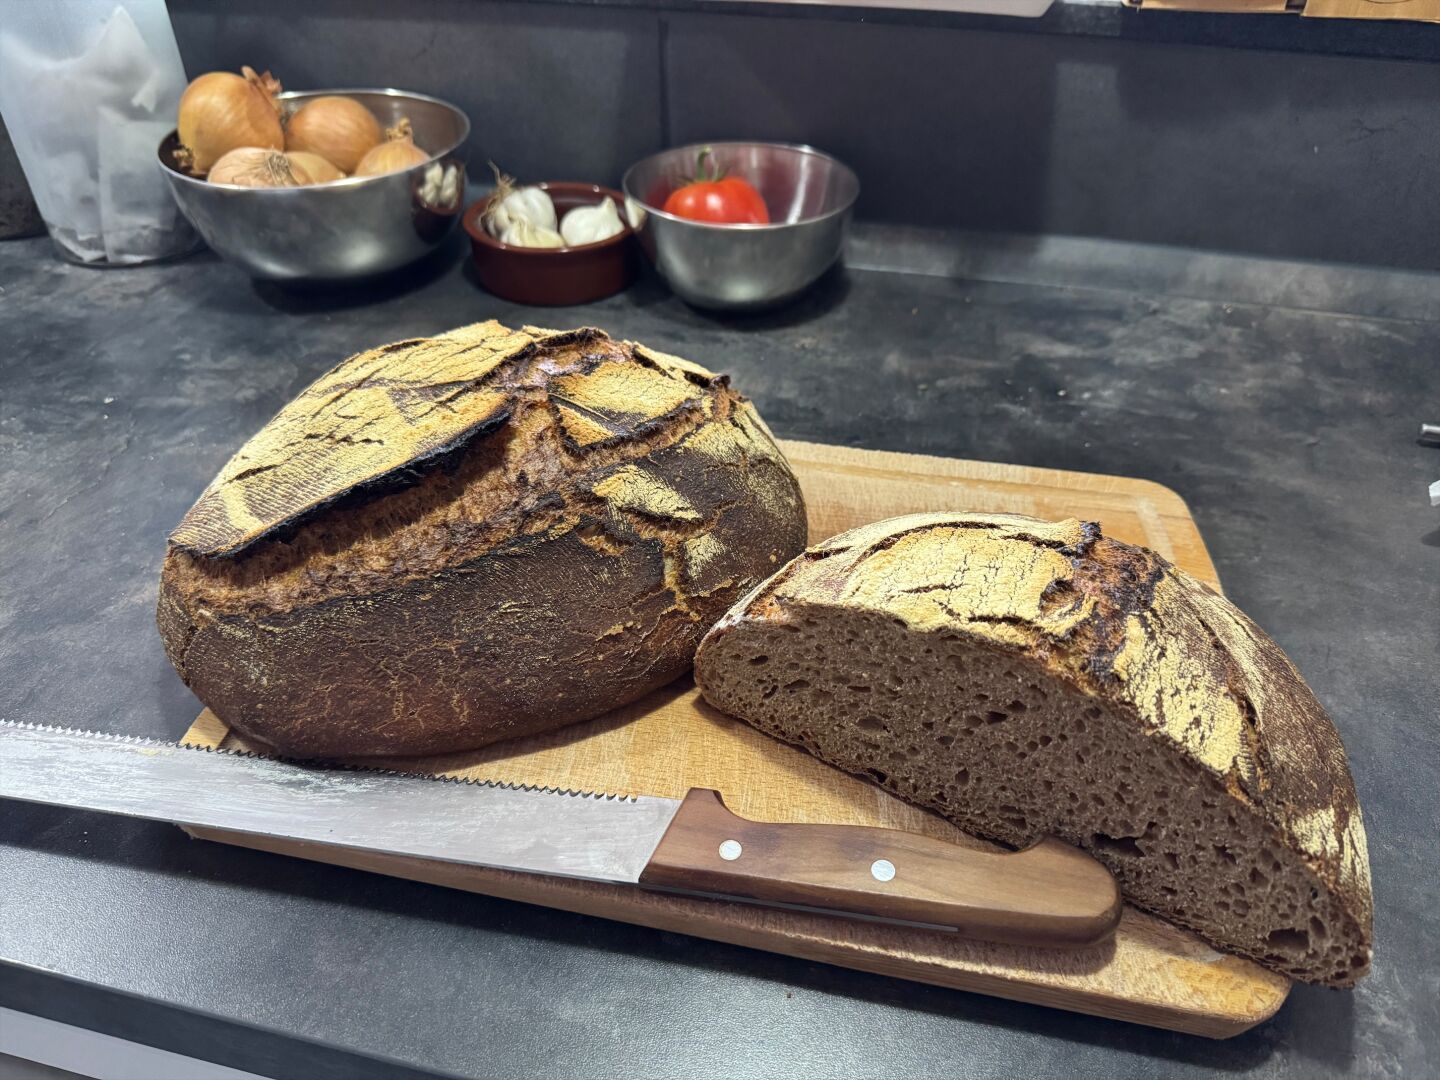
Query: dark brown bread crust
{"type": "Point", "coordinates": [553, 560]}
{"type": "Point", "coordinates": [1114, 624]}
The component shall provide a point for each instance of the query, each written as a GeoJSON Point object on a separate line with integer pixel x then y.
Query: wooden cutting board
{"type": "Point", "coordinates": [1152, 973]}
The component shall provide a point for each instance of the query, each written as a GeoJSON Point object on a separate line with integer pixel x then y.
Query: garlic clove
{"type": "Point", "coordinates": [634, 212]}
{"type": "Point", "coordinates": [450, 186]}
{"type": "Point", "coordinates": [523, 233]}
{"type": "Point", "coordinates": [591, 224]}
{"type": "Point", "coordinates": [429, 194]}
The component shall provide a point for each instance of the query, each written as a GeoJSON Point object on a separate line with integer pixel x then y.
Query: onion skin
{"type": "Point", "coordinates": [339, 129]}
{"type": "Point", "coordinates": [397, 153]}
{"type": "Point", "coordinates": [254, 166]}
{"type": "Point", "coordinates": [312, 168]}
{"type": "Point", "coordinates": [221, 111]}
{"type": "Point", "coordinates": [261, 167]}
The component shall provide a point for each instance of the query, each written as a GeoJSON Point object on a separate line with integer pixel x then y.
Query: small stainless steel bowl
{"type": "Point", "coordinates": [809, 195]}
{"type": "Point", "coordinates": [347, 228]}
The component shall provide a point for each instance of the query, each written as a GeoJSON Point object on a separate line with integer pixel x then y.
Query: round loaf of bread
{"type": "Point", "coordinates": [1027, 678]}
{"type": "Point", "coordinates": [454, 540]}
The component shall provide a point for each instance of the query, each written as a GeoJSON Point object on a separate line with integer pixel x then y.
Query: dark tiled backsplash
{"type": "Point", "coordinates": [1284, 154]}
{"type": "Point", "coordinates": [553, 92]}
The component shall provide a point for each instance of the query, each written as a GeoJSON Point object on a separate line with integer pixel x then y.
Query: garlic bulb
{"type": "Point", "coordinates": [339, 129]}
{"type": "Point", "coordinates": [591, 224]}
{"type": "Point", "coordinates": [523, 233]}
{"type": "Point", "coordinates": [510, 204]}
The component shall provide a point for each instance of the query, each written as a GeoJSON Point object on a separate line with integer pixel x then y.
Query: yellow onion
{"type": "Point", "coordinates": [221, 111]}
{"type": "Point", "coordinates": [258, 166]}
{"type": "Point", "coordinates": [339, 129]}
{"type": "Point", "coordinates": [396, 153]}
{"type": "Point", "coordinates": [312, 168]}
{"type": "Point", "coordinates": [254, 166]}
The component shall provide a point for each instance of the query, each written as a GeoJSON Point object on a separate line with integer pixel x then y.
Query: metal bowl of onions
{"type": "Point", "coordinates": [334, 230]}
{"type": "Point", "coordinates": [809, 196]}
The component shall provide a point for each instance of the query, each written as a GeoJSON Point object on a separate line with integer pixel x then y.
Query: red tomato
{"type": "Point", "coordinates": [718, 199]}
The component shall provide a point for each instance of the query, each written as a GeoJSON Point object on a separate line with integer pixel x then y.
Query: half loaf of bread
{"type": "Point", "coordinates": [449, 541]}
{"type": "Point", "coordinates": [1023, 678]}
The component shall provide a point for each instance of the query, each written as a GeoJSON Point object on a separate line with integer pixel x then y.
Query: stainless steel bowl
{"type": "Point", "coordinates": [347, 228]}
{"type": "Point", "coordinates": [809, 195]}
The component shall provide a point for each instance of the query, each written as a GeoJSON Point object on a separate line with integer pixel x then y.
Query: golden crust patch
{"type": "Point", "coordinates": [622, 397]}
{"type": "Point", "coordinates": [985, 580]}
{"type": "Point", "coordinates": [1178, 692]}
{"type": "Point", "coordinates": [370, 416]}
{"type": "Point", "coordinates": [701, 551]}
{"type": "Point", "coordinates": [581, 429]}
{"type": "Point", "coordinates": [637, 490]}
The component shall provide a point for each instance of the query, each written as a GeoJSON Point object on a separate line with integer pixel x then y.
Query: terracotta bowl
{"type": "Point", "coordinates": [554, 276]}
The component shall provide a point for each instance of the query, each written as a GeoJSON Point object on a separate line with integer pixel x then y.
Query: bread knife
{"type": "Point", "coordinates": [1049, 894]}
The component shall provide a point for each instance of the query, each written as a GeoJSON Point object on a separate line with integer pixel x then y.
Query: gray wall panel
{"type": "Point", "coordinates": [553, 92]}
{"type": "Point", "coordinates": [1295, 155]}
{"type": "Point", "coordinates": [1286, 154]}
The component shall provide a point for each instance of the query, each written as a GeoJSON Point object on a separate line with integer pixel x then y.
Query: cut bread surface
{"type": "Point", "coordinates": [1024, 678]}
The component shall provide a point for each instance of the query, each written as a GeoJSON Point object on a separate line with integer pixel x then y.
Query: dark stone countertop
{"type": "Point", "coordinates": [1289, 427]}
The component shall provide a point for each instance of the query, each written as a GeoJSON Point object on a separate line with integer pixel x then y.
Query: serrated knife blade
{"type": "Point", "coordinates": [1048, 894]}
{"type": "Point", "coordinates": [544, 831]}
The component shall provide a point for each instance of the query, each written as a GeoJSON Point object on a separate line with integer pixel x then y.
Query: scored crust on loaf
{"type": "Point", "coordinates": [1023, 678]}
{"type": "Point", "coordinates": [370, 416]}
{"type": "Point", "coordinates": [364, 578]}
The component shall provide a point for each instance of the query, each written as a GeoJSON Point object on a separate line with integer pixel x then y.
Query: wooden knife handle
{"type": "Point", "coordinates": [1050, 894]}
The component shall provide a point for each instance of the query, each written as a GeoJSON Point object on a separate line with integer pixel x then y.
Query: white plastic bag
{"type": "Point", "coordinates": [88, 88]}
